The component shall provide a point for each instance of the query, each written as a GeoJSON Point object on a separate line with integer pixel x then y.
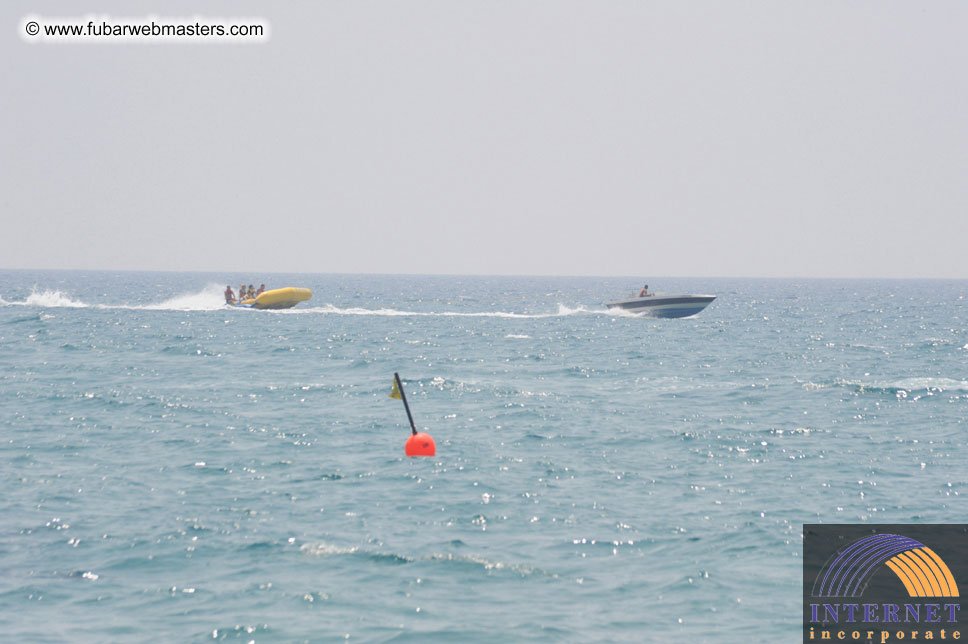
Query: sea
{"type": "Point", "coordinates": [175, 470]}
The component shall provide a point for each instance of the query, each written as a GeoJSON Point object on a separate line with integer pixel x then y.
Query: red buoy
{"type": "Point", "coordinates": [420, 445]}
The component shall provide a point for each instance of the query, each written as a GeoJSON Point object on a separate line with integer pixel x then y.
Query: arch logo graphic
{"type": "Point", "coordinates": [883, 583]}
{"type": "Point", "coordinates": [919, 568]}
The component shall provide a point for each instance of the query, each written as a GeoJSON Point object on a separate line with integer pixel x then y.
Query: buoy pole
{"type": "Point", "coordinates": [418, 444]}
{"type": "Point", "coordinates": [403, 396]}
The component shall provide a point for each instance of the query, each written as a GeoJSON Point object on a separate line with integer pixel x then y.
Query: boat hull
{"type": "Point", "coordinates": [664, 306]}
{"type": "Point", "coordinates": [278, 298]}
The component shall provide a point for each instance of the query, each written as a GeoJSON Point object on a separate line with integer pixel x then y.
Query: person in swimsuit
{"type": "Point", "coordinates": [229, 295]}
{"type": "Point", "coordinates": [645, 291]}
{"type": "Point", "coordinates": [262, 289]}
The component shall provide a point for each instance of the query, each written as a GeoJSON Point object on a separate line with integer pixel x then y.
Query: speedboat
{"type": "Point", "coordinates": [278, 298]}
{"type": "Point", "coordinates": [664, 306]}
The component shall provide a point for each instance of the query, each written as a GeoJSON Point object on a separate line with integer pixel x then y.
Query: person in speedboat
{"type": "Point", "coordinates": [645, 291]}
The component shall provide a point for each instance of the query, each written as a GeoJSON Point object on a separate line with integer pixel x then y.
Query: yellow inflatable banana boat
{"type": "Point", "coordinates": [278, 298]}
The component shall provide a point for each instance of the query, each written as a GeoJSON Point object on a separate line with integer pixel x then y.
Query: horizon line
{"type": "Point", "coordinates": [540, 275]}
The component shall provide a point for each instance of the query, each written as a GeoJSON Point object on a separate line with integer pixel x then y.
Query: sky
{"type": "Point", "coordinates": [501, 137]}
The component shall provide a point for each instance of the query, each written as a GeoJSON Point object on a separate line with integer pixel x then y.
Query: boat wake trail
{"type": "Point", "coordinates": [329, 309]}
{"type": "Point", "coordinates": [208, 299]}
{"type": "Point", "coordinates": [51, 299]}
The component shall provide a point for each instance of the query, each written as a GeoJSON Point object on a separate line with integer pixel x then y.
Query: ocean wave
{"type": "Point", "coordinates": [34, 317]}
{"type": "Point", "coordinates": [323, 549]}
{"type": "Point", "coordinates": [489, 564]}
{"type": "Point", "coordinates": [896, 388]}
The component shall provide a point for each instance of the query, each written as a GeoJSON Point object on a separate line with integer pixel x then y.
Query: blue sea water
{"type": "Point", "coordinates": [174, 470]}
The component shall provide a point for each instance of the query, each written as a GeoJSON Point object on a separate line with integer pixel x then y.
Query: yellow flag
{"type": "Point", "coordinates": [395, 392]}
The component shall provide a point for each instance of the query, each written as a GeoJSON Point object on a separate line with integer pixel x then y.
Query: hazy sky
{"type": "Point", "coordinates": [689, 138]}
